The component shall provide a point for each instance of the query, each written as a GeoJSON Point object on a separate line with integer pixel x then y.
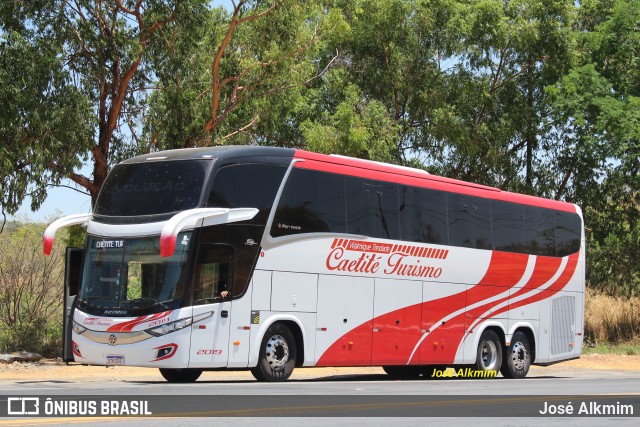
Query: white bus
{"type": "Point", "coordinates": [269, 258]}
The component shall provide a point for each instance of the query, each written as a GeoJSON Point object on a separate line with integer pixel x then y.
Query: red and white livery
{"type": "Point", "coordinates": [267, 259]}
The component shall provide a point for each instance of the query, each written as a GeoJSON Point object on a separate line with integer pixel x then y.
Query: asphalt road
{"type": "Point", "coordinates": [351, 399]}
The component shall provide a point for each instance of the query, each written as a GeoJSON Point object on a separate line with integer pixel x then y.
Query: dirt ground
{"type": "Point", "coordinates": [48, 370]}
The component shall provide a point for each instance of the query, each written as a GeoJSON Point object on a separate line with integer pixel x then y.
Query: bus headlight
{"type": "Point", "coordinates": [78, 328]}
{"type": "Point", "coordinates": [167, 328]}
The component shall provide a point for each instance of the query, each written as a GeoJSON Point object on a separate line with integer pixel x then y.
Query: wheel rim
{"type": "Point", "coordinates": [277, 352]}
{"type": "Point", "coordinates": [519, 356]}
{"type": "Point", "coordinates": [489, 355]}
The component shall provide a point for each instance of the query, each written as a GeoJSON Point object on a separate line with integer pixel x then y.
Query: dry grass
{"type": "Point", "coordinates": [611, 319]}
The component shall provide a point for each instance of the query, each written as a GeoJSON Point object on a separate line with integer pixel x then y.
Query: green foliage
{"type": "Point", "coordinates": [42, 336]}
{"type": "Point", "coordinates": [134, 281]}
{"type": "Point", "coordinates": [42, 117]}
{"type": "Point", "coordinates": [534, 96]}
{"type": "Point", "coordinates": [75, 236]}
{"type": "Point", "coordinates": [73, 79]}
{"type": "Point", "coordinates": [356, 129]}
{"type": "Point", "coordinates": [595, 134]}
{"type": "Point", "coordinates": [261, 72]}
{"type": "Point", "coordinates": [607, 348]}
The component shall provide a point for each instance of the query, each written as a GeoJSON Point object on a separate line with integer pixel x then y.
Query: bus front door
{"type": "Point", "coordinates": [72, 276]}
{"type": "Point", "coordinates": [212, 293]}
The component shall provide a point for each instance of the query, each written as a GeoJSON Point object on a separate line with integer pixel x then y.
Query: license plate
{"type": "Point", "coordinates": [115, 360]}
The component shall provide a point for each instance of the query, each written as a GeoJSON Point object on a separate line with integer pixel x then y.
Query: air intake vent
{"type": "Point", "coordinates": [563, 314]}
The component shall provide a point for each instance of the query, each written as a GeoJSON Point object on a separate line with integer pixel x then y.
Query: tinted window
{"type": "Point", "coordinates": [423, 215]}
{"type": "Point", "coordinates": [238, 236]}
{"type": "Point", "coordinates": [540, 231]}
{"type": "Point", "coordinates": [213, 274]}
{"type": "Point", "coordinates": [469, 221]}
{"type": "Point", "coordinates": [568, 227]}
{"type": "Point", "coordinates": [312, 202]}
{"type": "Point", "coordinates": [508, 226]}
{"type": "Point", "coordinates": [372, 208]}
{"type": "Point", "coordinates": [152, 188]}
{"type": "Point", "coordinates": [247, 186]}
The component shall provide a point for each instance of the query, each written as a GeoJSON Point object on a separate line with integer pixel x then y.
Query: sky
{"type": "Point", "coordinates": [60, 201]}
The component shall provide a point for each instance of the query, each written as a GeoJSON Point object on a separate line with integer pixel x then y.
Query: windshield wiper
{"type": "Point", "coordinates": [132, 303]}
{"type": "Point", "coordinates": [87, 300]}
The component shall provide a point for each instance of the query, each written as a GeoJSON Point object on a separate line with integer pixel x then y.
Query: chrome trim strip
{"type": "Point", "coordinates": [122, 338]}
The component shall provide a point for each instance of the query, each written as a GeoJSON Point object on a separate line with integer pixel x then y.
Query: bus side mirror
{"type": "Point", "coordinates": [50, 233]}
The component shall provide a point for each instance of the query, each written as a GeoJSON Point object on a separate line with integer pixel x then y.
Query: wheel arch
{"type": "Point", "coordinates": [293, 324]}
{"type": "Point", "coordinates": [496, 327]}
{"type": "Point", "coordinates": [298, 336]}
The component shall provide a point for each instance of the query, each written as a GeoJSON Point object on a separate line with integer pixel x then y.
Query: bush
{"type": "Point", "coordinates": [611, 319]}
{"type": "Point", "coordinates": [31, 293]}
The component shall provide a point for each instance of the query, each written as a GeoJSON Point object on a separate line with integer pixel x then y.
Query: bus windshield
{"type": "Point", "coordinates": [128, 275]}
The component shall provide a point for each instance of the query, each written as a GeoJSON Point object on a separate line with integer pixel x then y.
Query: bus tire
{"type": "Point", "coordinates": [181, 375]}
{"type": "Point", "coordinates": [403, 372]}
{"type": "Point", "coordinates": [489, 354]}
{"type": "Point", "coordinates": [517, 357]}
{"type": "Point", "coordinates": [277, 356]}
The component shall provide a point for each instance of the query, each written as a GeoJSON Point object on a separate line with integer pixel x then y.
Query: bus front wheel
{"type": "Point", "coordinates": [517, 357]}
{"type": "Point", "coordinates": [181, 375]}
{"type": "Point", "coordinates": [277, 356]}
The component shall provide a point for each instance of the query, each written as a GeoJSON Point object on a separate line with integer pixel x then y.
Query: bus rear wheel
{"type": "Point", "coordinates": [517, 357]}
{"type": "Point", "coordinates": [181, 375]}
{"type": "Point", "coordinates": [489, 354]}
{"type": "Point", "coordinates": [277, 356]}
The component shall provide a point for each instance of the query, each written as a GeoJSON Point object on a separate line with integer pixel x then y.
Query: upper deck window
{"type": "Point", "coordinates": [152, 188]}
{"type": "Point", "coordinates": [247, 185]}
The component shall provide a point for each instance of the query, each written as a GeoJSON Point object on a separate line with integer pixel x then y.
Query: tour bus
{"type": "Point", "coordinates": [266, 259]}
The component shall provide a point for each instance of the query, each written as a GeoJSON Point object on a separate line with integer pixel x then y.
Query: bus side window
{"type": "Point", "coordinates": [469, 221]}
{"type": "Point", "coordinates": [568, 226]}
{"type": "Point", "coordinates": [372, 208]}
{"type": "Point", "coordinates": [247, 185]}
{"type": "Point", "coordinates": [213, 274]}
{"type": "Point", "coordinates": [312, 202]}
{"type": "Point", "coordinates": [540, 231]}
{"type": "Point", "coordinates": [423, 215]}
{"type": "Point", "coordinates": [508, 226]}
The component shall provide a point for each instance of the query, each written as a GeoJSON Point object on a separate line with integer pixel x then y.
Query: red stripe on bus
{"type": "Point", "coordinates": [128, 326]}
{"type": "Point", "coordinates": [553, 289]}
{"type": "Point", "coordinates": [504, 272]}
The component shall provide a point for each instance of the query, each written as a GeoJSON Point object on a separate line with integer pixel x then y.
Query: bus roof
{"type": "Point", "coordinates": [218, 152]}
{"type": "Point", "coordinates": [353, 167]}
{"type": "Point", "coordinates": [420, 178]}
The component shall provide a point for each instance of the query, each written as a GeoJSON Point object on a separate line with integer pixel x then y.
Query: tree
{"type": "Point", "coordinates": [227, 75]}
{"type": "Point", "coordinates": [90, 81]}
{"type": "Point", "coordinates": [460, 85]}
{"type": "Point", "coordinates": [44, 119]}
{"type": "Point", "coordinates": [595, 124]}
{"type": "Point", "coordinates": [380, 99]}
{"type": "Point", "coordinates": [511, 52]}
